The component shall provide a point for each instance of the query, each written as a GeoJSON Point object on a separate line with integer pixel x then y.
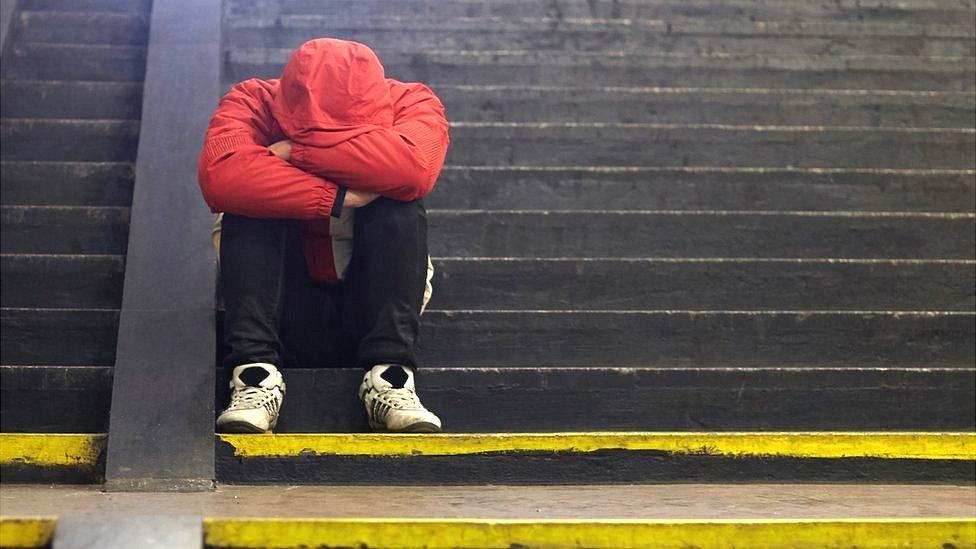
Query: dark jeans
{"type": "Point", "coordinates": [276, 313]}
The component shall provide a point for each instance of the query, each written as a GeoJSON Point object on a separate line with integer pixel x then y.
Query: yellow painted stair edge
{"type": "Point", "coordinates": [886, 445]}
{"type": "Point", "coordinates": [80, 450]}
{"type": "Point", "coordinates": [26, 531]}
{"type": "Point", "coordinates": [623, 534]}
{"type": "Point", "coordinates": [51, 449]}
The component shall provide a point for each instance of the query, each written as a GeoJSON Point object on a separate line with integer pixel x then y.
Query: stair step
{"type": "Point", "coordinates": [71, 458]}
{"type": "Point", "coordinates": [537, 458]}
{"type": "Point", "coordinates": [666, 516]}
{"type": "Point", "coordinates": [71, 99]}
{"type": "Point", "coordinates": [67, 183]}
{"type": "Point", "coordinates": [55, 399]}
{"type": "Point", "coordinates": [918, 12]}
{"type": "Point", "coordinates": [69, 139]}
{"type": "Point", "coordinates": [688, 284]}
{"type": "Point", "coordinates": [593, 458]}
{"type": "Point", "coordinates": [696, 188]}
{"type": "Point", "coordinates": [86, 5]}
{"type": "Point", "coordinates": [556, 104]}
{"type": "Point", "coordinates": [62, 281]}
{"type": "Point", "coordinates": [99, 27]}
{"type": "Point", "coordinates": [58, 337]}
{"type": "Point", "coordinates": [64, 229]}
{"type": "Point", "coordinates": [567, 233]}
{"type": "Point", "coordinates": [654, 69]}
{"type": "Point", "coordinates": [632, 398]}
{"type": "Point", "coordinates": [501, 143]}
{"type": "Point", "coordinates": [417, 34]}
{"type": "Point", "coordinates": [700, 338]}
{"type": "Point", "coordinates": [36, 61]}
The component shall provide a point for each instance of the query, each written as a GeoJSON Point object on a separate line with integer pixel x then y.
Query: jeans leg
{"type": "Point", "coordinates": [387, 277]}
{"type": "Point", "coordinates": [252, 277]}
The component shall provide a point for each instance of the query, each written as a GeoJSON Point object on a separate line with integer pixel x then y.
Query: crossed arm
{"type": "Point", "coordinates": [242, 174]}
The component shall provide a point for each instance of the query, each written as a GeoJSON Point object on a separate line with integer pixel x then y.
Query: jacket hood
{"type": "Point", "coordinates": [329, 90]}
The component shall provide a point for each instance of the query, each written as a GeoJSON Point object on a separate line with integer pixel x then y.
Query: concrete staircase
{"type": "Point", "coordinates": [671, 216]}
{"type": "Point", "coordinates": [72, 96]}
{"type": "Point", "coordinates": [677, 215]}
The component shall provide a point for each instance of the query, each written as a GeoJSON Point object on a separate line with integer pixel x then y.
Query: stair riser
{"type": "Point", "coordinates": [571, 285]}
{"type": "Point", "coordinates": [678, 190]}
{"type": "Point", "coordinates": [59, 337]}
{"type": "Point", "coordinates": [62, 281]}
{"type": "Point", "coordinates": [53, 62]}
{"type": "Point", "coordinates": [71, 100]}
{"type": "Point", "coordinates": [540, 400]}
{"type": "Point", "coordinates": [55, 399]}
{"type": "Point", "coordinates": [716, 10]}
{"type": "Point", "coordinates": [67, 184]}
{"type": "Point", "coordinates": [601, 467]}
{"type": "Point", "coordinates": [699, 339]}
{"type": "Point", "coordinates": [578, 339]}
{"type": "Point", "coordinates": [589, 234]}
{"type": "Point", "coordinates": [616, 146]}
{"type": "Point", "coordinates": [86, 5]}
{"type": "Point", "coordinates": [538, 70]}
{"type": "Point", "coordinates": [100, 141]}
{"type": "Point", "coordinates": [65, 231]}
{"type": "Point", "coordinates": [612, 39]}
{"type": "Point", "coordinates": [83, 28]}
{"type": "Point", "coordinates": [696, 107]}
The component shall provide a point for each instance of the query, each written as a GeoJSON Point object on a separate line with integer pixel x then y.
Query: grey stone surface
{"type": "Point", "coordinates": [127, 532]}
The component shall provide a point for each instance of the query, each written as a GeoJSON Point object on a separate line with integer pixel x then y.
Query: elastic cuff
{"type": "Point", "coordinates": [340, 199]}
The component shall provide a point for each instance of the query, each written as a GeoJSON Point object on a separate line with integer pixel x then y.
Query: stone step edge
{"type": "Point", "coordinates": [83, 450]}
{"type": "Point", "coordinates": [477, 532]}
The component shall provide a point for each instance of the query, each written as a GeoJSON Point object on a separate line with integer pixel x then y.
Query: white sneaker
{"type": "Point", "coordinates": [391, 403]}
{"type": "Point", "coordinates": [257, 391]}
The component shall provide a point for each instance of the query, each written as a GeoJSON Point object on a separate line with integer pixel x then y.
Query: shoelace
{"type": "Point", "coordinates": [402, 397]}
{"type": "Point", "coordinates": [249, 397]}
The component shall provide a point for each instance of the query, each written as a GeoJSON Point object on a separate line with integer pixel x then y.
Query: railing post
{"type": "Point", "coordinates": [161, 423]}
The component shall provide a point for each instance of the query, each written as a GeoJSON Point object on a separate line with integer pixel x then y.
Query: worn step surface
{"type": "Point", "coordinates": [924, 11]}
{"type": "Point", "coordinates": [697, 188]}
{"type": "Point", "coordinates": [706, 284]}
{"type": "Point", "coordinates": [62, 280]}
{"type": "Point", "coordinates": [642, 398]}
{"type": "Point", "coordinates": [54, 183]}
{"type": "Point", "coordinates": [71, 99]}
{"type": "Point", "coordinates": [659, 516]}
{"type": "Point", "coordinates": [55, 399]}
{"type": "Point", "coordinates": [81, 27]}
{"type": "Point", "coordinates": [646, 69]}
{"type": "Point", "coordinates": [512, 143]}
{"type": "Point", "coordinates": [99, 62]}
{"type": "Point", "coordinates": [58, 336]}
{"type": "Point", "coordinates": [64, 229]}
{"type": "Point", "coordinates": [697, 338]}
{"type": "Point", "coordinates": [682, 35]}
{"type": "Point", "coordinates": [627, 233]}
{"type": "Point", "coordinates": [69, 139]}
{"type": "Point", "coordinates": [749, 106]}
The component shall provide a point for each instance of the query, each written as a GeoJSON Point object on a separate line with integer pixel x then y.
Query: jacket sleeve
{"type": "Point", "coordinates": [400, 162]}
{"type": "Point", "coordinates": [240, 175]}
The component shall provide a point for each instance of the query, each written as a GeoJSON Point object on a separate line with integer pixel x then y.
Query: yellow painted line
{"type": "Point", "coordinates": [891, 445]}
{"type": "Point", "coordinates": [26, 531]}
{"type": "Point", "coordinates": [48, 449]}
{"type": "Point", "coordinates": [623, 534]}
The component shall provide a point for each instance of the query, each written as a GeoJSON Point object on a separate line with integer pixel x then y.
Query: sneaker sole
{"type": "Point", "coordinates": [240, 427]}
{"type": "Point", "coordinates": [419, 427]}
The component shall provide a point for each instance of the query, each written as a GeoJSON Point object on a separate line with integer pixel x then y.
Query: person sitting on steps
{"type": "Point", "coordinates": [319, 178]}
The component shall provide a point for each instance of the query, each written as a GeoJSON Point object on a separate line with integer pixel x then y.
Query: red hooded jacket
{"type": "Point", "coordinates": [349, 126]}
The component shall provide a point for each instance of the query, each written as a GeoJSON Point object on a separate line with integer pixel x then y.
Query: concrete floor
{"type": "Point", "coordinates": [642, 501]}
